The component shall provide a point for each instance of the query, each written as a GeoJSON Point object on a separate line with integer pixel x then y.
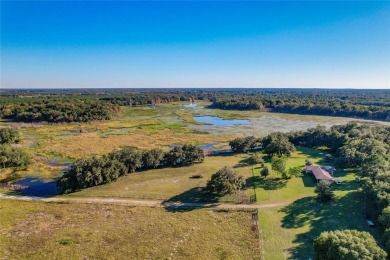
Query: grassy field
{"type": "Point", "coordinates": [288, 231]}
{"type": "Point", "coordinates": [171, 183]}
{"type": "Point", "coordinates": [274, 189]}
{"type": "Point", "coordinates": [36, 230]}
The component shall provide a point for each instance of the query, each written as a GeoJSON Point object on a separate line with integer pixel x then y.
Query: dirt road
{"type": "Point", "coordinates": [147, 203]}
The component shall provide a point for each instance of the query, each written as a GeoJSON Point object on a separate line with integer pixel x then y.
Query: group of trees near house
{"type": "Point", "coordinates": [58, 110]}
{"type": "Point", "coordinates": [366, 147]}
{"type": "Point", "coordinates": [273, 144]}
{"type": "Point", "coordinates": [363, 146]}
{"type": "Point", "coordinates": [276, 145]}
{"type": "Point", "coordinates": [103, 169]}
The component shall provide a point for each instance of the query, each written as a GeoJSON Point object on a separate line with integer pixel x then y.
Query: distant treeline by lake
{"type": "Point", "coordinates": [83, 105]}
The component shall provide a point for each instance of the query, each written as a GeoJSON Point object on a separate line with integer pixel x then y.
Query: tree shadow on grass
{"type": "Point", "coordinates": [347, 186]}
{"type": "Point", "coordinates": [271, 183]}
{"type": "Point", "coordinates": [339, 214]}
{"type": "Point", "coordinates": [183, 201]}
{"type": "Point", "coordinates": [308, 180]}
{"type": "Point", "coordinates": [252, 182]}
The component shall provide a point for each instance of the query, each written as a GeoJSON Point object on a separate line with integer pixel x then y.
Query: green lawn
{"type": "Point", "coordinates": [288, 231]}
{"type": "Point", "coordinates": [273, 189]}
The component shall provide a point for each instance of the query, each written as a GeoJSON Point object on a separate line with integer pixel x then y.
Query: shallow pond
{"type": "Point", "coordinates": [32, 186]}
{"type": "Point", "coordinates": [190, 105]}
{"type": "Point", "coordinates": [218, 121]}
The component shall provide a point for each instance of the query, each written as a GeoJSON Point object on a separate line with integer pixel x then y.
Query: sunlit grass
{"type": "Point", "coordinates": [168, 183]}
{"type": "Point", "coordinates": [288, 231]}
{"type": "Point", "coordinates": [36, 230]}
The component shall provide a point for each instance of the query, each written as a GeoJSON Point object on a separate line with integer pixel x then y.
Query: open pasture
{"type": "Point", "coordinates": [36, 230]}
{"type": "Point", "coordinates": [174, 184]}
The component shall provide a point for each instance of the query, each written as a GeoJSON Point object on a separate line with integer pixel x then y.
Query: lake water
{"type": "Point", "coordinates": [218, 121]}
{"type": "Point", "coordinates": [208, 146]}
{"type": "Point", "coordinates": [37, 187]}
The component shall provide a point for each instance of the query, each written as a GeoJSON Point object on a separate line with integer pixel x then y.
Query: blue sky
{"type": "Point", "coordinates": [195, 44]}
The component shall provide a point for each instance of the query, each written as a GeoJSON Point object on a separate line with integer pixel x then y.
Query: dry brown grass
{"type": "Point", "coordinates": [91, 143]}
{"type": "Point", "coordinates": [36, 230]}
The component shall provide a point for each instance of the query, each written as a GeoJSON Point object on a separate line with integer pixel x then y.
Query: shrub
{"type": "Point", "coordinates": [324, 191]}
{"type": "Point", "coordinates": [264, 172]}
{"type": "Point", "coordinates": [9, 136]}
{"type": "Point", "coordinates": [225, 181]}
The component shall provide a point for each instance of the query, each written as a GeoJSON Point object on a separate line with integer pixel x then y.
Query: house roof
{"type": "Point", "coordinates": [319, 173]}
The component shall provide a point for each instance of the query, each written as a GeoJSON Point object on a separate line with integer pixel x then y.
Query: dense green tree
{"type": "Point", "coordinates": [324, 191]}
{"type": "Point", "coordinates": [184, 155]}
{"type": "Point", "coordinates": [243, 144]}
{"type": "Point", "coordinates": [347, 245]}
{"type": "Point", "coordinates": [277, 144]}
{"type": "Point", "coordinates": [13, 157]}
{"type": "Point", "coordinates": [192, 154]}
{"type": "Point", "coordinates": [90, 172]}
{"type": "Point", "coordinates": [358, 150]}
{"type": "Point", "coordinates": [279, 164]}
{"type": "Point", "coordinates": [153, 158]}
{"type": "Point", "coordinates": [386, 239]}
{"type": "Point", "coordinates": [130, 157]}
{"type": "Point", "coordinates": [384, 217]}
{"type": "Point", "coordinates": [295, 171]}
{"type": "Point", "coordinates": [175, 156]}
{"type": "Point", "coordinates": [225, 181]}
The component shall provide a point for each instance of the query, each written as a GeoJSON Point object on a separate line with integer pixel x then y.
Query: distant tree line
{"type": "Point", "coordinates": [58, 110]}
{"type": "Point", "coordinates": [301, 105]}
{"type": "Point", "coordinates": [99, 170]}
{"type": "Point", "coordinates": [367, 104]}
